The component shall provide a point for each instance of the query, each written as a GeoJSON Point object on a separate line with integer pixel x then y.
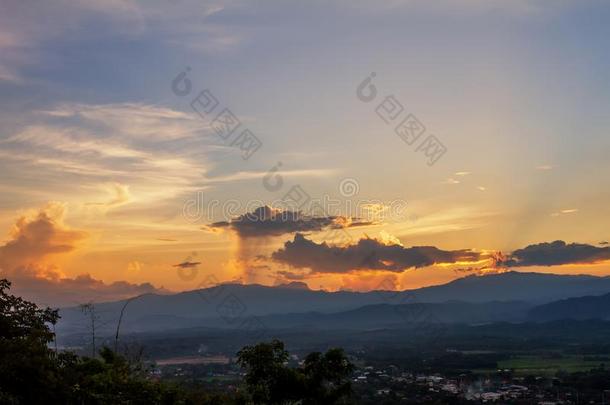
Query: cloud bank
{"type": "Point", "coordinates": [555, 254]}
{"type": "Point", "coordinates": [367, 253]}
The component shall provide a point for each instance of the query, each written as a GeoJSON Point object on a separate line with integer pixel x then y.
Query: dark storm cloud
{"type": "Point", "coordinates": [365, 254]}
{"type": "Point", "coordinates": [267, 221]}
{"type": "Point", "coordinates": [555, 254]}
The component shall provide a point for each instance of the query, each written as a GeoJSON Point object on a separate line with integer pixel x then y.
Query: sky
{"type": "Point", "coordinates": [153, 146]}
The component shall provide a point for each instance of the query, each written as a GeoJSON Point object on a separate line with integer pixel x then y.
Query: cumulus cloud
{"type": "Point", "coordinates": [267, 221]}
{"type": "Point", "coordinates": [555, 254]}
{"type": "Point", "coordinates": [255, 232]}
{"type": "Point", "coordinates": [34, 238]}
{"type": "Point", "coordinates": [26, 260]}
{"type": "Point", "coordinates": [367, 253]}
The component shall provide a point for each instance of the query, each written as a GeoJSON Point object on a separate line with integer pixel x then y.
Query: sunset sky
{"type": "Point", "coordinates": [111, 184]}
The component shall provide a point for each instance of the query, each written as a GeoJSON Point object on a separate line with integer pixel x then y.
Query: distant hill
{"type": "Point", "coordinates": [364, 318]}
{"type": "Point", "coordinates": [537, 288]}
{"type": "Point", "coordinates": [204, 307]}
{"type": "Point", "coordinates": [403, 316]}
{"type": "Point", "coordinates": [580, 308]}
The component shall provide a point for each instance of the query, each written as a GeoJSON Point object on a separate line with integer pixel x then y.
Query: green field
{"type": "Point", "coordinates": [538, 365]}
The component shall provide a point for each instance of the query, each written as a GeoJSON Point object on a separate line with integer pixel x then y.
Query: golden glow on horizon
{"type": "Point", "coordinates": [144, 255]}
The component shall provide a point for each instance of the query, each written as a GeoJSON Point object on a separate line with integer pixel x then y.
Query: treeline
{"type": "Point", "coordinates": [33, 373]}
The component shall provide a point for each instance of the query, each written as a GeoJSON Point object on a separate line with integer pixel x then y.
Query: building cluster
{"type": "Point", "coordinates": [389, 383]}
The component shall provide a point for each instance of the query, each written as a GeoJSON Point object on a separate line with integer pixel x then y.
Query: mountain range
{"type": "Point", "coordinates": [504, 297]}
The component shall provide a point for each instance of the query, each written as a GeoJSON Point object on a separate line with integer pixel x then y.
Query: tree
{"type": "Point", "coordinates": [31, 373]}
{"type": "Point", "coordinates": [111, 379]}
{"type": "Point", "coordinates": [322, 379]}
{"type": "Point", "coordinates": [26, 363]}
{"type": "Point", "coordinates": [268, 379]}
{"type": "Point", "coordinates": [20, 319]}
{"type": "Point", "coordinates": [327, 377]}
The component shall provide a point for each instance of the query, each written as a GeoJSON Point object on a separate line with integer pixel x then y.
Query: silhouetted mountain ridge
{"type": "Point", "coordinates": [205, 307]}
{"type": "Point", "coordinates": [579, 308]}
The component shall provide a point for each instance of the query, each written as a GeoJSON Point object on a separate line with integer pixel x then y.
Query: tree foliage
{"type": "Point", "coordinates": [32, 373]}
{"type": "Point", "coordinates": [321, 379]}
{"type": "Point", "coordinates": [26, 363]}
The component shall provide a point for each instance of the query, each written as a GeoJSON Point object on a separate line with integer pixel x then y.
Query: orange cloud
{"type": "Point", "coordinates": [26, 259]}
{"type": "Point", "coordinates": [35, 238]}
